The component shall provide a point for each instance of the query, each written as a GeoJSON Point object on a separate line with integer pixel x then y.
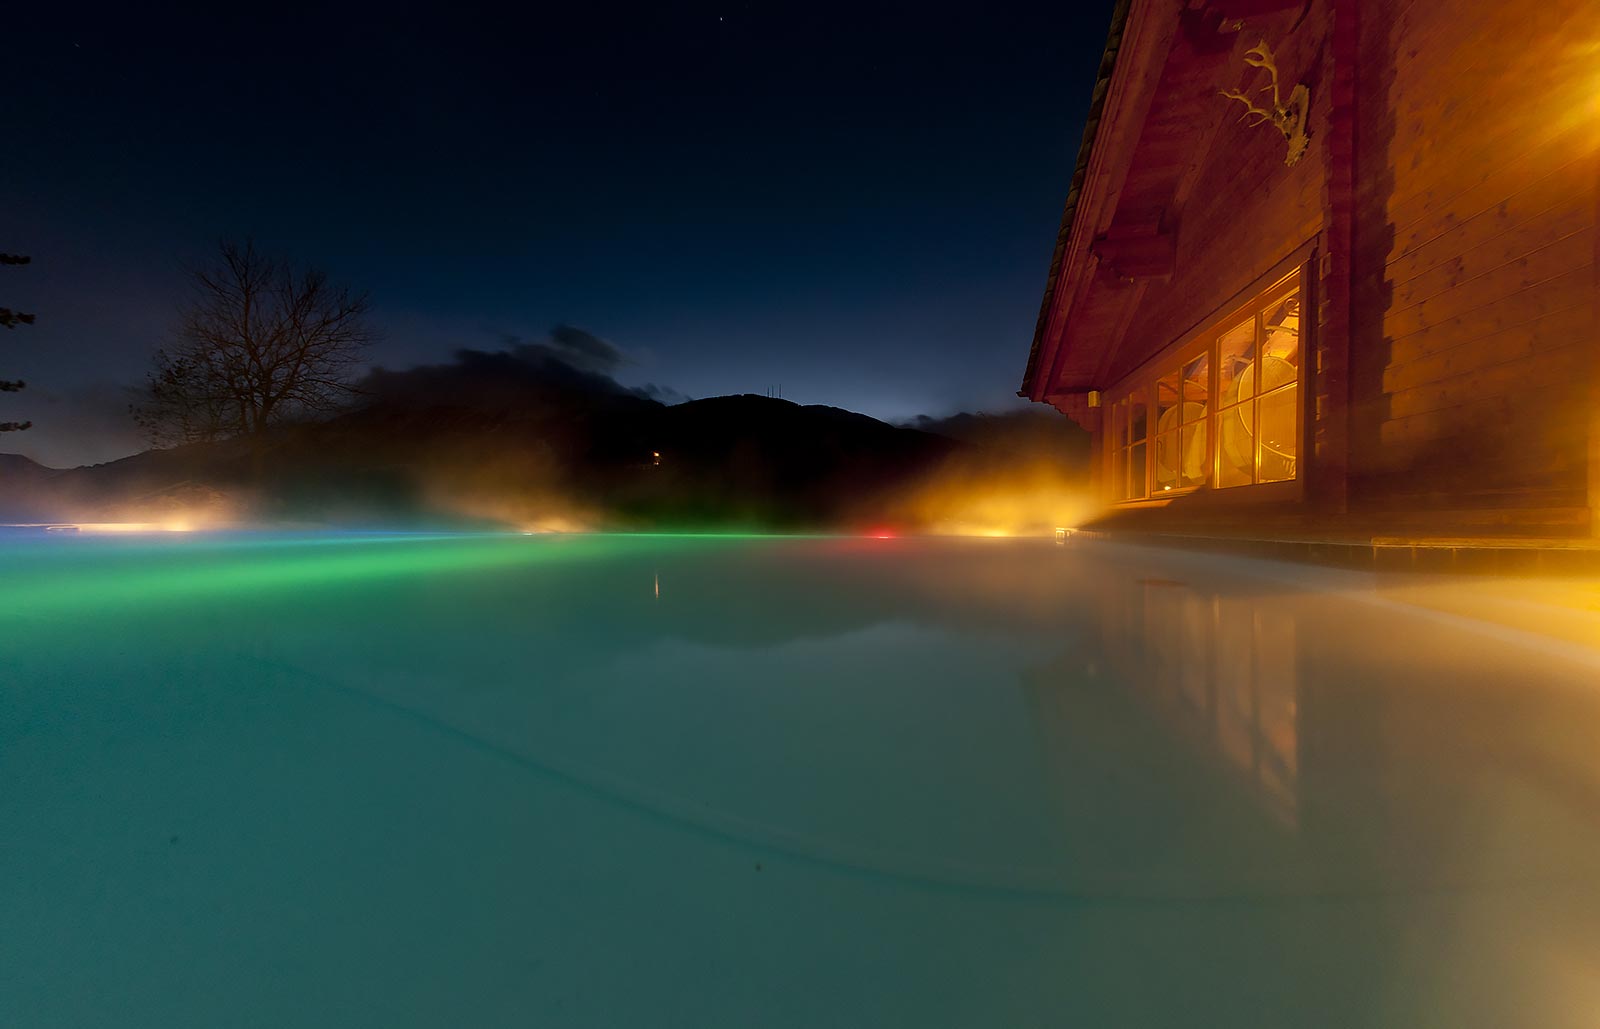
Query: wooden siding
{"type": "Point", "coordinates": [1244, 210]}
{"type": "Point", "coordinates": [1326, 462]}
{"type": "Point", "coordinates": [1473, 347]}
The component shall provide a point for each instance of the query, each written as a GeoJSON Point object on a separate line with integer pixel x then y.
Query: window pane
{"type": "Point", "coordinates": [1196, 387]}
{"type": "Point", "coordinates": [1169, 461]}
{"type": "Point", "coordinates": [1139, 415]}
{"type": "Point", "coordinates": [1281, 335]}
{"type": "Point", "coordinates": [1236, 446]}
{"type": "Point", "coordinates": [1167, 401]}
{"type": "Point", "coordinates": [1193, 448]}
{"type": "Point", "coordinates": [1236, 363]}
{"type": "Point", "coordinates": [1279, 415]}
{"type": "Point", "coordinates": [1169, 433]}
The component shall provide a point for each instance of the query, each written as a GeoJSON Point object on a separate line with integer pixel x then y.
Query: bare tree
{"type": "Point", "coordinates": [11, 319]}
{"type": "Point", "coordinates": [261, 340]}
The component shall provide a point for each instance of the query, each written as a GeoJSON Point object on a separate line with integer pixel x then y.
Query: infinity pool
{"type": "Point", "coordinates": [703, 782]}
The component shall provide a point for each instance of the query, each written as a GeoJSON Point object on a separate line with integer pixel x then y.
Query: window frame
{"type": "Point", "coordinates": [1291, 275]}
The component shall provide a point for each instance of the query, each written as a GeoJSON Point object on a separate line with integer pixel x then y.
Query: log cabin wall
{"type": "Point", "coordinates": [1473, 337]}
{"type": "Point", "coordinates": [1448, 204]}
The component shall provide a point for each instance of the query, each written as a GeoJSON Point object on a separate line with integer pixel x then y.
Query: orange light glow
{"type": "Point", "coordinates": [554, 523]}
{"type": "Point", "coordinates": [175, 525]}
{"type": "Point", "coordinates": [1027, 498]}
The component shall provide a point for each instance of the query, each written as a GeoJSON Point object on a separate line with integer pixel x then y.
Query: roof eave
{"type": "Point", "coordinates": [1091, 130]}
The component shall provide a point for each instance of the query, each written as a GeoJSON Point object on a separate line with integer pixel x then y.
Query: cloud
{"type": "Point", "coordinates": [569, 365]}
{"type": "Point", "coordinates": [585, 350]}
{"type": "Point", "coordinates": [572, 347]}
{"type": "Point", "coordinates": [665, 394]}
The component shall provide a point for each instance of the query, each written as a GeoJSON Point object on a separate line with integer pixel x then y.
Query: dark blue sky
{"type": "Point", "coordinates": [857, 202]}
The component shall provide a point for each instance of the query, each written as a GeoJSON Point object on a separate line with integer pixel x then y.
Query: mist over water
{"type": "Point", "coordinates": [494, 779]}
{"type": "Point", "coordinates": [541, 437]}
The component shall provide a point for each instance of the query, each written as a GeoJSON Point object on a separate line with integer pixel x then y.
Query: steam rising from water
{"type": "Point", "coordinates": [1022, 474]}
{"type": "Point", "coordinates": [1024, 495]}
{"type": "Point", "coordinates": [539, 437]}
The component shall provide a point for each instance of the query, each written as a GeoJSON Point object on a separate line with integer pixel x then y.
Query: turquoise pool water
{"type": "Point", "coordinates": [703, 782]}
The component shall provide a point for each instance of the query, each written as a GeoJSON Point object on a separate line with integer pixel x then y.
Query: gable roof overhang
{"type": "Point", "coordinates": [1091, 128]}
{"type": "Point", "coordinates": [1151, 115]}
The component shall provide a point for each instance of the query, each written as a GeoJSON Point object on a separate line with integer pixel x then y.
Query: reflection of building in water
{"type": "Point", "coordinates": [1220, 671]}
{"type": "Point", "coordinates": [1379, 815]}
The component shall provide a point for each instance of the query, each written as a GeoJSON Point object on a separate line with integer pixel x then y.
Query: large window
{"type": "Point", "coordinates": [1131, 445]}
{"type": "Point", "coordinates": [1224, 413]}
{"type": "Point", "coordinates": [1182, 400]}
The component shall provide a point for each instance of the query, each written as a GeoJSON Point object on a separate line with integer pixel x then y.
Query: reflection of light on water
{"type": "Point", "coordinates": [658, 585]}
{"type": "Point", "coordinates": [1224, 670]}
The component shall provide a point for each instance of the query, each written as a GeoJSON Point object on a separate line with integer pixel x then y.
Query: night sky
{"type": "Point", "coordinates": [858, 203]}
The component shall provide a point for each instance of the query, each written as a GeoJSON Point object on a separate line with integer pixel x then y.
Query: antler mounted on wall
{"type": "Point", "coordinates": [1289, 118]}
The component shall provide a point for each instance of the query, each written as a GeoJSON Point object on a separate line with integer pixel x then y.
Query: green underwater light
{"type": "Point", "coordinates": [122, 573]}
{"type": "Point", "coordinates": [152, 574]}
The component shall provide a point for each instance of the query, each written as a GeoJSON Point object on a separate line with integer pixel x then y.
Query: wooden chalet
{"type": "Point", "coordinates": [1328, 269]}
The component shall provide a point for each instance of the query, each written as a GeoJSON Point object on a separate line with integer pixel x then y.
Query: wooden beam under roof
{"type": "Point", "coordinates": [1145, 253]}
